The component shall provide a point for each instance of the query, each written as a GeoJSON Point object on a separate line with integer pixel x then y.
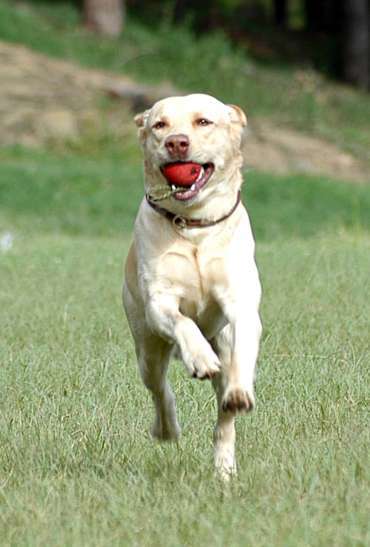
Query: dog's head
{"type": "Point", "coordinates": [192, 145]}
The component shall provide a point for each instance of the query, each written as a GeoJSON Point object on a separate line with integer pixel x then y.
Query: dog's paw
{"type": "Point", "coordinates": [238, 399]}
{"type": "Point", "coordinates": [226, 472]}
{"type": "Point", "coordinates": [203, 364]}
{"type": "Point", "coordinates": [168, 432]}
{"type": "Point", "coordinates": [225, 465]}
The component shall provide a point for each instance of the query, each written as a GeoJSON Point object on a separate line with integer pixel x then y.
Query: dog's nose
{"type": "Point", "coordinates": [177, 145]}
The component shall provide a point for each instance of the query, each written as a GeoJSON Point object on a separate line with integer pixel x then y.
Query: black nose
{"type": "Point", "coordinates": [177, 145]}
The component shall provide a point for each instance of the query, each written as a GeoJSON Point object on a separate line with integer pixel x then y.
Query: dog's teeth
{"type": "Point", "coordinates": [201, 173]}
{"type": "Point", "coordinates": [192, 187]}
{"type": "Point", "coordinates": [173, 187]}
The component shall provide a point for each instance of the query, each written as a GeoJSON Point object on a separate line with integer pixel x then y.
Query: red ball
{"type": "Point", "coordinates": [182, 174]}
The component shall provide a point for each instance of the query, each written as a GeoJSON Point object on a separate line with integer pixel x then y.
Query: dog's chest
{"type": "Point", "coordinates": [192, 276]}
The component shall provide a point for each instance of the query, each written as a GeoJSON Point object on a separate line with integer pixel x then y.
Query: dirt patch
{"type": "Point", "coordinates": [44, 99]}
{"type": "Point", "coordinates": [281, 150]}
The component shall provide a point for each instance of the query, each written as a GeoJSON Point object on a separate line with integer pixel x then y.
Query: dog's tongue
{"type": "Point", "coordinates": [182, 173]}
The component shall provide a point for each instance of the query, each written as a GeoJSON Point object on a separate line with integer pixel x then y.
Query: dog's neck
{"type": "Point", "coordinates": [181, 222]}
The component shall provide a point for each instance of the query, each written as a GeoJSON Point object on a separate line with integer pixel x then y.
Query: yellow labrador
{"type": "Point", "coordinates": [191, 283]}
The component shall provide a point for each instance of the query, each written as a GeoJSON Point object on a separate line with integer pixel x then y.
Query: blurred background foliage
{"type": "Point", "coordinates": [329, 35]}
{"type": "Point", "coordinates": [279, 60]}
{"type": "Point", "coordinates": [69, 146]}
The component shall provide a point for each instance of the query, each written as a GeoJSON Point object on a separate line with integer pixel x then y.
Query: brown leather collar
{"type": "Point", "coordinates": [182, 222]}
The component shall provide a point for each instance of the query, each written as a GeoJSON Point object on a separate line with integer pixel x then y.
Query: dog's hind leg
{"type": "Point", "coordinates": [153, 356]}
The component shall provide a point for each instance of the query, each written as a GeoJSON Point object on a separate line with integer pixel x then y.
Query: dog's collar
{"type": "Point", "coordinates": [183, 222]}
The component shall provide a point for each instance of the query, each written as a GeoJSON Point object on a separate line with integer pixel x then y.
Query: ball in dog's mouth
{"type": "Point", "coordinates": [188, 177]}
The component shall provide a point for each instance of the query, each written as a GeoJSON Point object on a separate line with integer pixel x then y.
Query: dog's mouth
{"type": "Point", "coordinates": [186, 179]}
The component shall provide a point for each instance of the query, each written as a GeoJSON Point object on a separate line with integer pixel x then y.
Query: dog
{"type": "Point", "coordinates": [191, 282]}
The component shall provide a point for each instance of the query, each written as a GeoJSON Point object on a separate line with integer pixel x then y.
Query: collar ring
{"type": "Point", "coordinates": [179, 222]}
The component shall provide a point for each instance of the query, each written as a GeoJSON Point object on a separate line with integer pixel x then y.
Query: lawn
{"type": "Point", "coordinates": [77, 463]}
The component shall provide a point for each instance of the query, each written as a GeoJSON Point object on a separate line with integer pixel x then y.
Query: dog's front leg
{"type": "Point", "coordinates": [224, 435]}
{"type": "Point", "coordinates": [242, 336]}
{"type": "Point", "coordinates": [164, 317]}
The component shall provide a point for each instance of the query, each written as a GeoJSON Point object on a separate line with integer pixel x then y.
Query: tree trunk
{"type": "Point", "coordinates": [356, 43]}
{"type": "Point", "coordinates": [180, 10]}
{"type": "Point", "coordinates": [313, 12]}
{"type": "Point", "coordinates": [280, 12]}
{"type": "Point", "coordinates": [104, 16]}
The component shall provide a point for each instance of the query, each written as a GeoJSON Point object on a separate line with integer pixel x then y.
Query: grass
{"type": "Point", "coordinates": [79, 195]}
{"type": "Point", "coordinates": [77, 464]}
{"type": "Point", "coordinates": [290, 95]}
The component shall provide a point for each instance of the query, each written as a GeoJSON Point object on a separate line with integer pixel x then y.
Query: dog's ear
{"type": "Point", "coordinates": [237, 115]}
{"type": "Point", "coordinates": [140, 121]}
{"type": "Point", "coordinates": [141, 118]}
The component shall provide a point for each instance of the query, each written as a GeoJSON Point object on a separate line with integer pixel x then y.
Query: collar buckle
{"type": "Point", "coordinates": [179, 222]}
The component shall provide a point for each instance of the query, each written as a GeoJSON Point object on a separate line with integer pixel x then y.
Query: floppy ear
{"type": "Point", "coordinates": [141, 118]}
{"type": "Point", "coordinates": [140, 121]}
{"type": "Point", "coordinates": [237, 115]}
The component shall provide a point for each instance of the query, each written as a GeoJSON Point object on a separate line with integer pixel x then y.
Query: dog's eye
{"type": "Point", "coordinates": [159, 125]}
{"type": "Point", "coordinates": [203, 121]}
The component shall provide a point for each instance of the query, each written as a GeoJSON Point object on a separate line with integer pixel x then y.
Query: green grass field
{"type": "Point", "coordinates": [77, 464]}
